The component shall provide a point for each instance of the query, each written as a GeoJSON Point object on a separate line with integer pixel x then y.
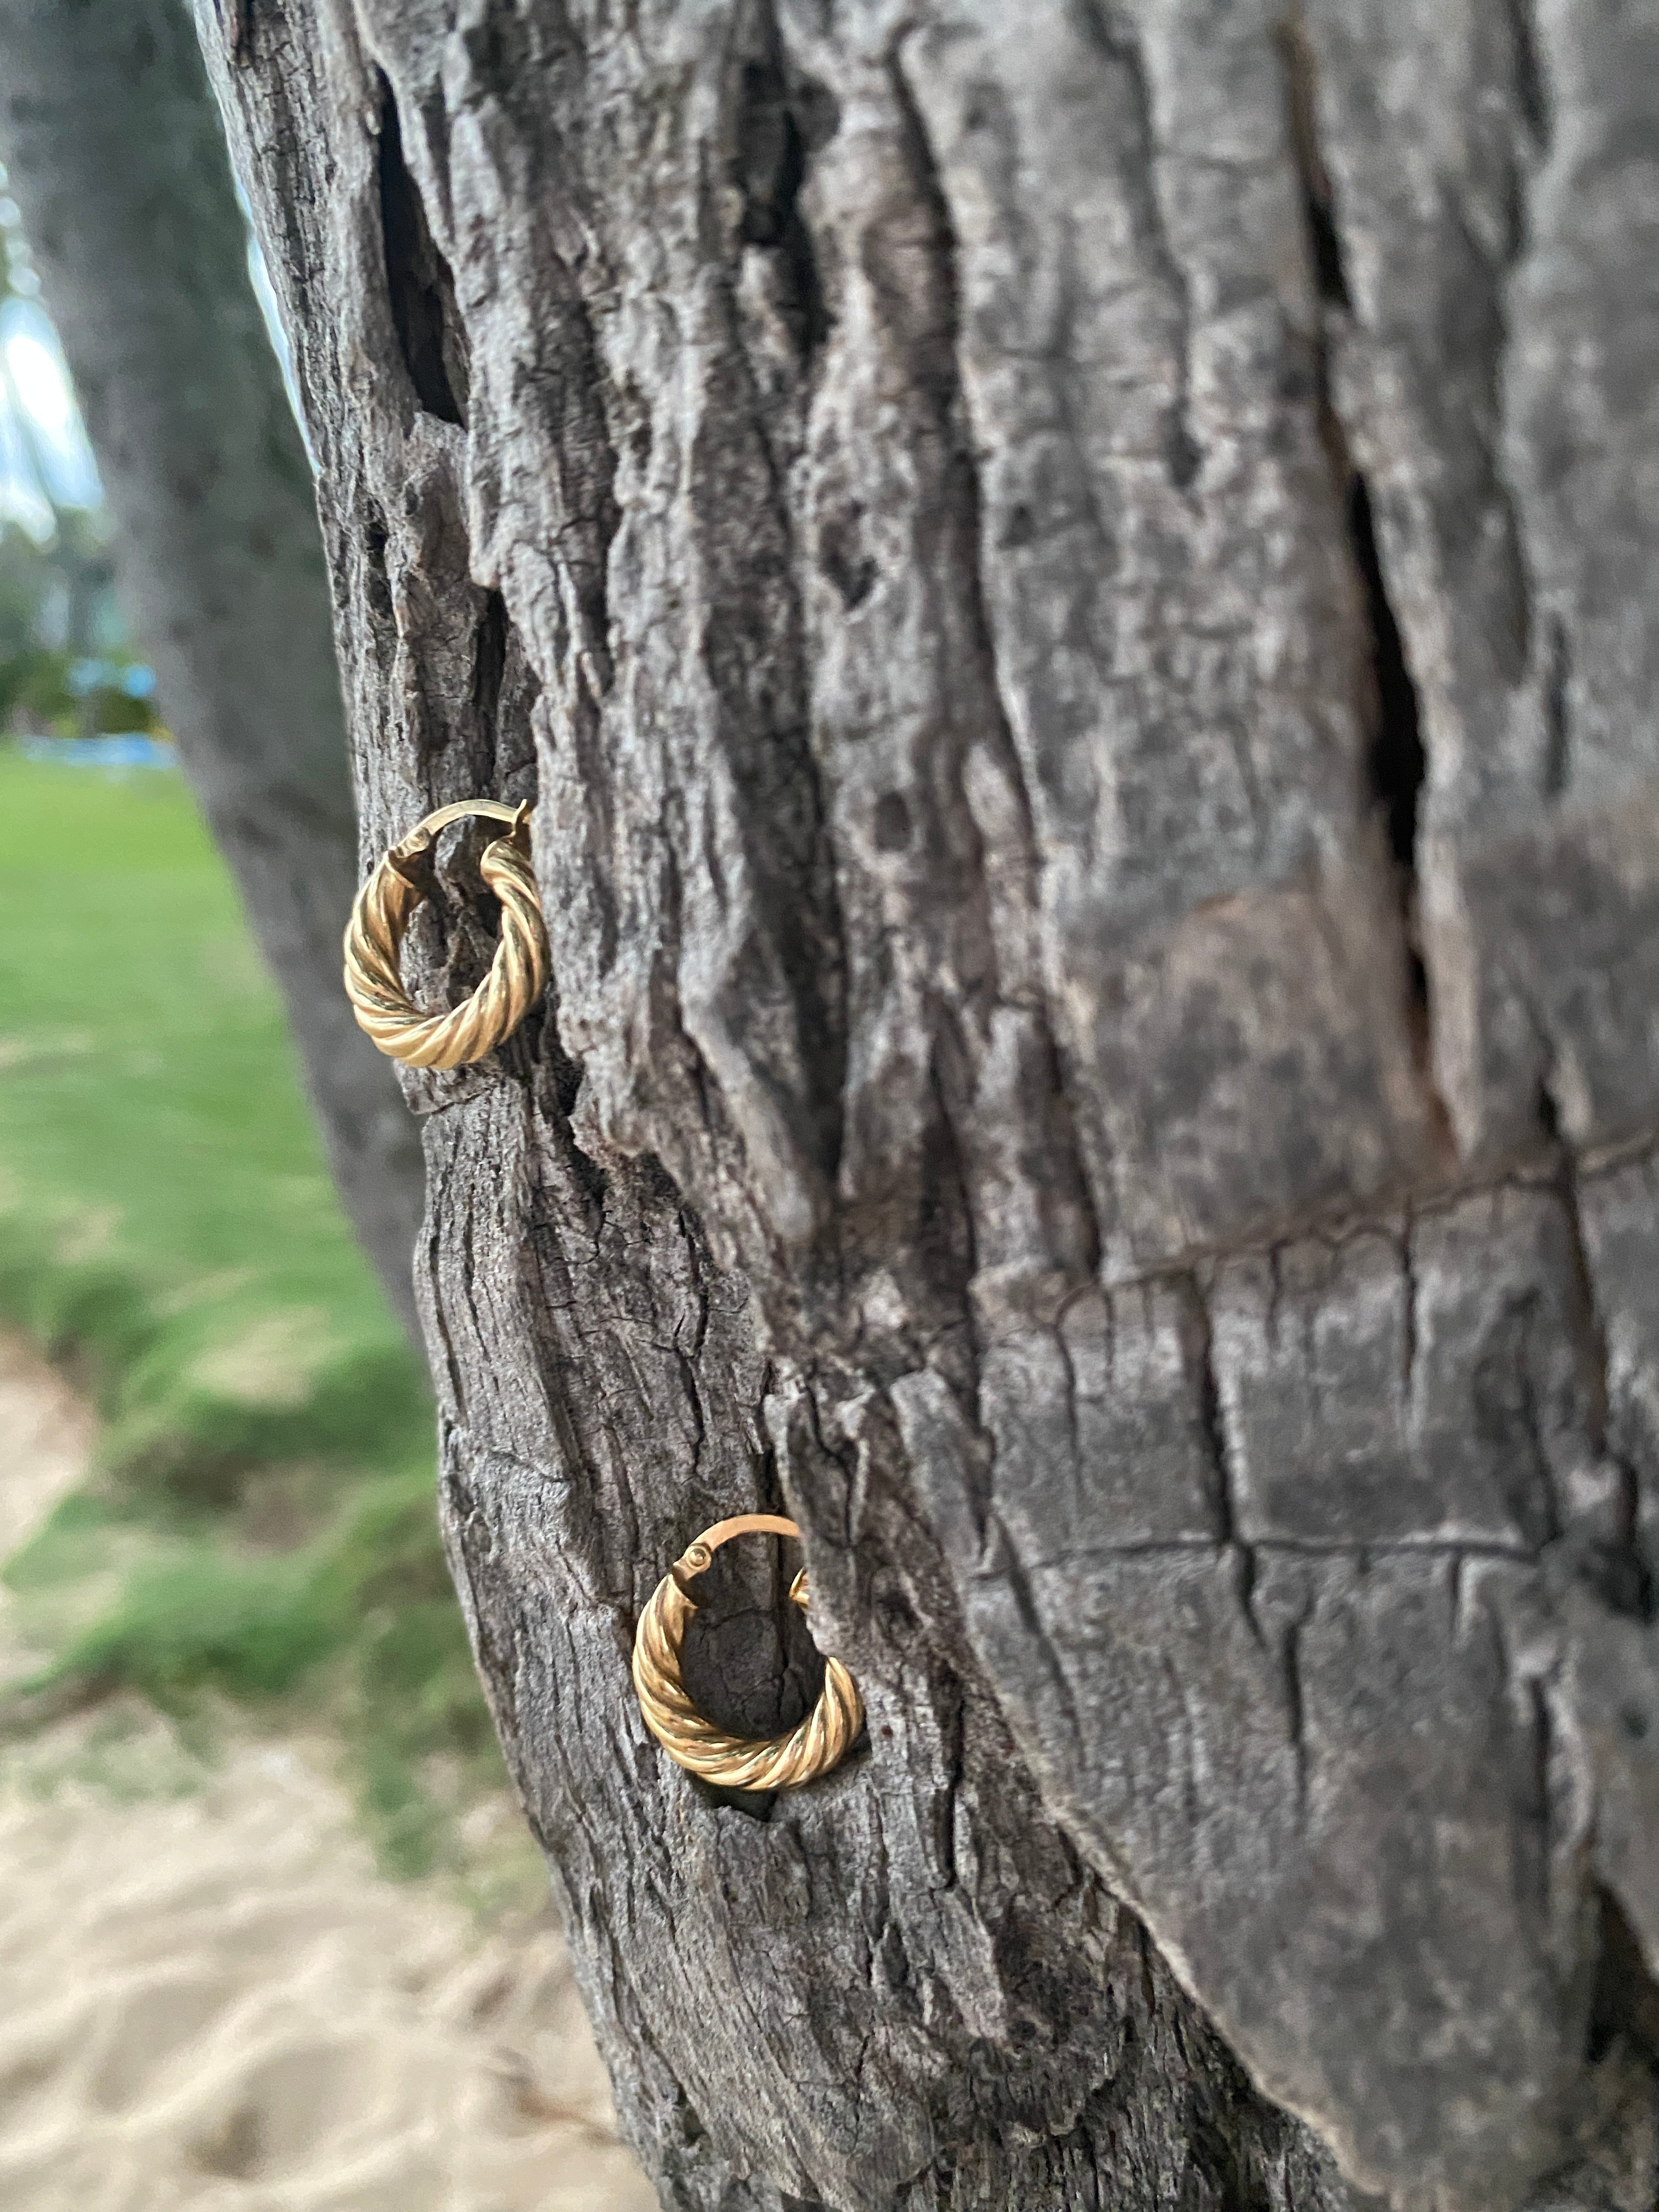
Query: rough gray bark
{"type": "Point", "coordinates": [118, 161]}
{"type": "Point", "coordinates": [1075, 586]}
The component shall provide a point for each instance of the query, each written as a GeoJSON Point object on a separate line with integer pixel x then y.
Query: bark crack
{"type": "Point", "coordinates": [1532, 91]}
{"type": "Point", "coordinates": [1558, 734]}
{"type": "Point", "coordinates": [1529, 1170]}
{"type": "Point", "coordinates": [1213, 1427]}
{"type": "Point", "coordinates": [490, 646]}
{"type": "Point", "coordinates": [1625, 2000]}
{"type": "Point", "coordinates": [1408, 1319]}
{"type": "Point", "coordinates": [1397, 764]}
{"type": "Point", "coordinates": [420, 284]}
{"type": "Point", "coordinates": [1396, 761]}
{"type": "Point", "coordinates": [775, 129]}
{"type": "Point", "coordinates": [1295, 1708]}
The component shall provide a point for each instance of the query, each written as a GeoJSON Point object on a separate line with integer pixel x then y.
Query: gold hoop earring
{"type": "Point", "coordinates": [782, 1762]}
{"type": "Point", "coordinates": [374, 937]}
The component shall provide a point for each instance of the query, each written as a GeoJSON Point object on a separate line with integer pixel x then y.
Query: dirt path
{"type": "Point", "coordinates": [210, 2000]}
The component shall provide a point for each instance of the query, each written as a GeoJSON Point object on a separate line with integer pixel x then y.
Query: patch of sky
{"type": "Point", "coordinates": [48, 457]}
{"type": "Point", "coordinates": [45, 462]}
{"type": "Point", "coordinates": [270, 307]}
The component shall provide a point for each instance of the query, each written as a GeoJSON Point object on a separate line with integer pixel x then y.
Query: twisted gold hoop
{"type": "Point", "coordinates": [374, 937]}
{"type": "Point", "coordinates": [780, 1762]}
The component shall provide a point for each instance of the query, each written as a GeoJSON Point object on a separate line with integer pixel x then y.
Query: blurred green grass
{"type": "Point", "coordinates": [260, 1519]}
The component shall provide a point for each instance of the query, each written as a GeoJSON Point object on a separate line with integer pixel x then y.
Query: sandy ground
{"type": "Point", "coordinates": [209, 1999]}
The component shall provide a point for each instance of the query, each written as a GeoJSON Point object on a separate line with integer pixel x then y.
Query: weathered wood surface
{"type": "Point", "coordinates": [1074, 587]}
{"type": "Point", "coordinates": [118, 163]}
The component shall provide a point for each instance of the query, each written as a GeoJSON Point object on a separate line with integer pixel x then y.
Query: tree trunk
{"type": "Point", "coordinates": [118, 161]}
{"type": "Point", "coordinates": [1075, 587]}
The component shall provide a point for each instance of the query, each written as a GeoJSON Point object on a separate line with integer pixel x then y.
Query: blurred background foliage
{"type": "Point", "coordinates": [259, 1525]}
